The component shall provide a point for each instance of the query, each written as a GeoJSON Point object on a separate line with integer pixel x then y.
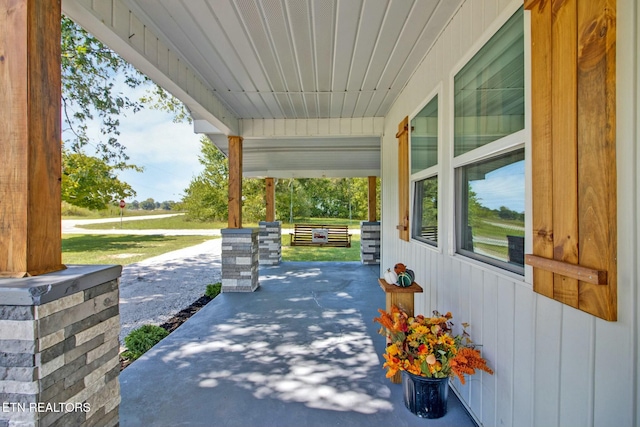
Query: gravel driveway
{"type": "Point", "coordinates": [153, 290]}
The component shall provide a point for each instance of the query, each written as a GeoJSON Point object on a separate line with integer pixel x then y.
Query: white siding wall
{"type": "Point", "coordinates": [554, 365]}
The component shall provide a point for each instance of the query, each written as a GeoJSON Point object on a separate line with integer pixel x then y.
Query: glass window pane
{"type": "Point", "coordinates": [489, 90]}
{"type": "Point", "coordinates": [425, 223]}
{"type": "Point", "coordinates": [424, 137]}
{"type": "Point", "coordinates": [491, 210]}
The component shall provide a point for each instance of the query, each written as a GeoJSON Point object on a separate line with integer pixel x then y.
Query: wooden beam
{"type": "Point", "coordinates": [564, 86]}
{"type": "Point", "coordinates": [235, 182]}
{"type": "Point", "coordinates": [373, 214]}
{"type": "Point", "coordinates": [403, 179]}
{"type": "Point", "coordinates": [577, 272]}
{"type": "Point", "coordinates": [541, 165]}
{"type": "Point", "coordinates": [270, 202]}
{"type": "Point", "coordinates": [597, 152]}
{"type": "Point", "coordinates": [30, 135]}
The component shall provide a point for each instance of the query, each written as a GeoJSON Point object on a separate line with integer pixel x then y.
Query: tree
{"type": "Point", "coordinates": [90, 182]}
{"type": "Point", "coordinates": [148, 205]}
{"type": "Point", "coordinates": [88, 75]}
{"type": "Point", "coordinates": [89, 71]}
{"type": "Point", "coordinates": [168, 205]}
{"type": "Point", "coordinates": [206, 197]}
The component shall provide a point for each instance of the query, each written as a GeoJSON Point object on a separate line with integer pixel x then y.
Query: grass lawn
{"type": "Point", "coordinates": [315, 253]}
{"type": "Point", "coordinates": [121, 249]}
{"type": "Point", "coordinates": [180, 223]}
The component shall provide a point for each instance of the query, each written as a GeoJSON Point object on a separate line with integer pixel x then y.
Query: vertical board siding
{"type": "Point", "coordinates": [548, 336]}
{"type": "Point", "coordinates": [554, 365]}
{"type": "Point", "coordinates": [489, 343]}
{"type": "Point", "coordinates": [577, 368]}
{"type": "Point", "coordinates": [504, 356]}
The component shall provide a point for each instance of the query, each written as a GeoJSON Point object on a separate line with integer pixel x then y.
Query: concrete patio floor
{"type": "Point", "coordinates": [302, 350]}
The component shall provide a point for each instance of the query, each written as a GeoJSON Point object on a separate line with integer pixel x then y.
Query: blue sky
{"type": "Point", "coordinates": [502, 187]}
{"type": "Point", "coordinates": [167, 151]}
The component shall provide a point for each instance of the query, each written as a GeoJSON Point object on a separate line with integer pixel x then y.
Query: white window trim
{"type": "Point", "coordinates": [435, 170]}
{"type": "Point", "coordinates": [511, 142]}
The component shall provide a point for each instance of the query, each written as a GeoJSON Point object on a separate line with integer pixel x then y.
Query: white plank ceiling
{"type": "Point", "coordinates": [302, 60]}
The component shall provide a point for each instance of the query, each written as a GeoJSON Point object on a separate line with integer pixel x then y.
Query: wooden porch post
{"type": "Point", "coordinates": [235, 182]}
{"type": "Point", "coordinates": [30, 135]}
{"type": "Point", "coordinates": [270, 201]}
{"type": "Point", "coordinates": [372, 199]}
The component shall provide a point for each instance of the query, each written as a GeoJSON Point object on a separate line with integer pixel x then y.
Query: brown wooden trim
{"type": "Point", "coordinates": [30, 135]}
{"type": "Point", "coordinates": [577, 272]}
{"type": "Point", "coordinates": [270, 199]}
{"type": "Point", "coordinates": [574, 154]}
{"type": "Point", "coordinates": [596, 67]}
{"type": "Point", "coordinates": [413, 289]}
{"type": "Point", "coordinates": [403, 178]}
{"type": "Point", "coordinates": [541, 149]}
{"type": "Point", "coordinates": [564, 130]}
{"type": "Point", "coordinates": [235, 182]}
{"type": "Point", "coordinates": [372, 200]}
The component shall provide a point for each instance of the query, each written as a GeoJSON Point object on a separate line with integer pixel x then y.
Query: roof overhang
{"type": "Point", "coordinates": [327, 67]}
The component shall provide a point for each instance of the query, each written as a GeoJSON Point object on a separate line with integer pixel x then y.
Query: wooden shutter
{"type": "Point", "coordinates": [403, 178]}
{"type": "Point", "coordinates": [573, 153]}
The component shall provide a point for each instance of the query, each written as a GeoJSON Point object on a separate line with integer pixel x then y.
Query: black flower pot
{"type": "Point", "coordinates": [425, 397]}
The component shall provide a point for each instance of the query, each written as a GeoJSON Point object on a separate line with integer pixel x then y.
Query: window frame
{"type": "Point", "coordinates": [430, 172]}
{"type": "Point", "coordinates": [520, 139]}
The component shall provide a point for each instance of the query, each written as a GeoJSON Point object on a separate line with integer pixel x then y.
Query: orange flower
{"type": "Point", "coordinates": [466, 362]}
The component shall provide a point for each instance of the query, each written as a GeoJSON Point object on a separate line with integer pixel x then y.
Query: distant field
{"type": "Point", "coordinates": [121, 249]}
{"type": "Point", "coordinates": [181, 223]}
{"type": "Point", "coordinates": [171, 223]}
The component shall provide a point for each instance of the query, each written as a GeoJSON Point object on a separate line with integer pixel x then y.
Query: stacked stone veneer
{"type": "Point", "coordinates": [240, 258]}
{"type": "Point", "coordinates": [370, 242]}
{"type": "Point", "coordinates": [59, 347]}
{"type": "Point", "coordinates": [270, 243]}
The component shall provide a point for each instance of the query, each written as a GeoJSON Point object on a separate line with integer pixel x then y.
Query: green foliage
{"type": "Point", "coordinates": [140, 340]}
{"type": "Point", "coordinates": [90, 182]}
{"type": "Point", "coordinates": [88, 70]}
{"type": "Point", "coordinates": [121, 249]}
{"type": "Point", "coordinates": [89, 92]}
{"type": "Point", "coordinates": [148, 205]}
{"type": "Point", "coordinates": [206, 198]}
{"type": "Point", "coordinates": [213, 290]}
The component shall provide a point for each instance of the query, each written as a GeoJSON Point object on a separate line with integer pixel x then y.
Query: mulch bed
{"type": "Point", "coordinates": [177, 320]}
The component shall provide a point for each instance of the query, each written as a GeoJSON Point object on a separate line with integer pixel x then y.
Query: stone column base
{"type": "Point", "coordinates": [270, 243]}
{"type": "Point", "coordinates": [59, 346]}
{"type": "Point", "coordinates": [370, 242]}
{"type": "Point", "coordinates": [239, 259]}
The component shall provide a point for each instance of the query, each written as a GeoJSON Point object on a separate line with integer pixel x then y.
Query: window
{"type": "Point", "coordinates": [425, 210]}
{"type": "Point", "coordinates": [488, 149]}
{"type": "Point", "coordinates": [424, 162]}
{"type": "Point", "coordinates": [424, 137]}
{"type": "Point", "coordinates": [489, 90]}
{"type": "Point", "coordinates": [491, 210]}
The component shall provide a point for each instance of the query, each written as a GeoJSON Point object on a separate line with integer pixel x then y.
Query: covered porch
{"type": "Point", "coordinates": [302, 350]}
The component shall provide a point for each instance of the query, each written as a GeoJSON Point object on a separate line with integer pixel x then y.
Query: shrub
{"type": "Point", "coordinates": [213, 290]}
{"type": "Point", "coordinates": [140, 340]}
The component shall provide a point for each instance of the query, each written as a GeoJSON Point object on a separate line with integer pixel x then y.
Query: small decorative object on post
{"type": "Point", "coordinates": [399, 276]}
{"type": "Point", "coordinates": [423, 348]}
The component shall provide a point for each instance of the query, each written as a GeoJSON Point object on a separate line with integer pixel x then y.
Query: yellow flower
{"type": "Point", "coordinates": [392, 350]}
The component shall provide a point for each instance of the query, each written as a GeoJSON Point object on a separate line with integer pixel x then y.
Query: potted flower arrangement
{"type": "Point", "coordinates": [427, 353]}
